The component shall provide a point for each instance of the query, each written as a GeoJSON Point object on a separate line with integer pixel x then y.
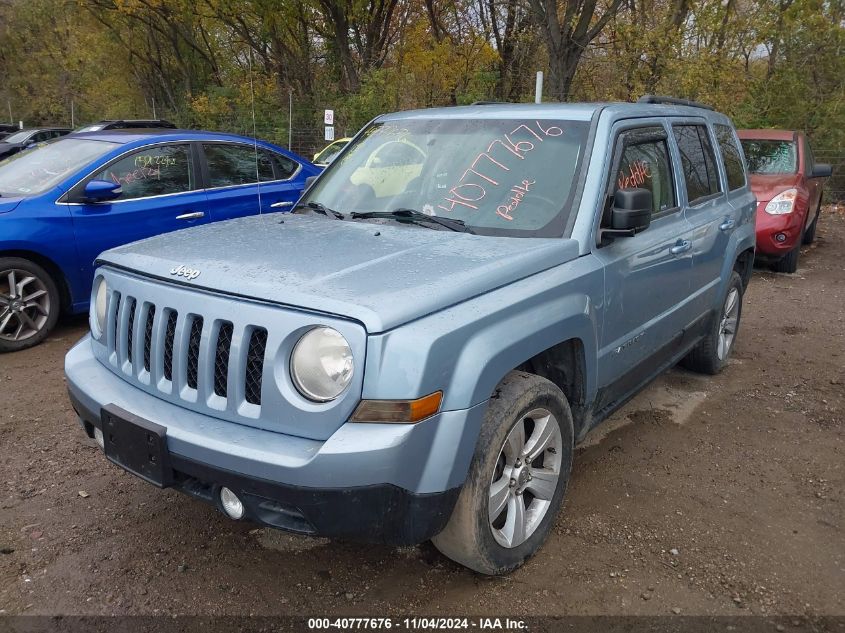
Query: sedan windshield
{"type": "Point", "coordinates": [770, 157]}
{"type": "Point", "coordinates": [35, 171]}
{"type": "Point", "coordinates": [18, 137]}
{"type": "Point", "coordinates": [498, 176]}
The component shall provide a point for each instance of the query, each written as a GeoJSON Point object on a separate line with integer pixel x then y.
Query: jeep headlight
{"type": "Point", "coordinates": [321, 364]}
{"type": "Point", "coordinates": [782, 203]}
{"type": "Point", "coordinates": [101, 295]}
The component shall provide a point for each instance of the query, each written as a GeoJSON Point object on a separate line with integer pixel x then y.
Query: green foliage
{"type": "Point", "coordinates": [211, 63]}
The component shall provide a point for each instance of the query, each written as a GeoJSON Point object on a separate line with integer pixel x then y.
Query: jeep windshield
{"type": "Point", "coordinates": [499, 176]}
{"type": "Point", "coordinates": [37, 170]}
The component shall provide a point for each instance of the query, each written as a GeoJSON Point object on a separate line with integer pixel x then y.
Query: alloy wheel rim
{"type": "Point", "coordinates": [525, 478]}
{"type": "Point", "coordinates": [24, 305]}
{"type": "Point", "coordinates": [728, 324]}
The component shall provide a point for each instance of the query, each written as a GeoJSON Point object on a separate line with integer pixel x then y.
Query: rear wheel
{"type": "Point", "coordinates": [29, 304]}
{"type": "Point", "coordinates": [517, 478]}
{"type": "Point", "coordinates": [789, 262]}
{"type": "Point", "coordinates": [712, 352]}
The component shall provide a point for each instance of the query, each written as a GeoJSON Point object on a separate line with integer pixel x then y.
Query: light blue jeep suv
{"type": "Point", "coordinates": [414, 352]}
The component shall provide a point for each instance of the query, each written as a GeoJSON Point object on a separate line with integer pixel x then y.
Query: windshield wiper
{"type": "Point", "coordinates": [414, 217]}
{"type": "Point", "coordinates": [319, 208]}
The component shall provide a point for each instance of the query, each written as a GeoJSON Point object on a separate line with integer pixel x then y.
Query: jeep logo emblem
{"type": "Point", "coordinates": [182, 271]}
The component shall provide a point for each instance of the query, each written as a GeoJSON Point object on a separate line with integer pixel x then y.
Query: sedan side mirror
{"type": "Point", "coordinates": [821, 170]}
{"type": "Point", "coordinates": [101, 190]}
{"type": "Point", "coordinates": [631, 211]}
{"type": "Point", "coordinates": [309, 181]}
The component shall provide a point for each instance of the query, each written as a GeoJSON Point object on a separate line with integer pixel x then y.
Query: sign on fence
{"type": "Point", "coordinates": [329, 132]}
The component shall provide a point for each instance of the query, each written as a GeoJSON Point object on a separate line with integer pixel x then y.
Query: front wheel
{"type": "Point", "coordinates": [29, 304]}
{"type": "Point", "coordinates": [517, 479]}
{"type": "Point", "coordinates": [711, 354]}
{"type": "Point", "coordinates": [789, 262]}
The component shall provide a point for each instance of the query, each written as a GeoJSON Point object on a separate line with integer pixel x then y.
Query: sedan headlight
{"type": "Point", "coordinates": [782, 203]}
{"type": "Point", "coordinates": [101, 295]}
{"type": "Point", "coordinates": [321, 364]}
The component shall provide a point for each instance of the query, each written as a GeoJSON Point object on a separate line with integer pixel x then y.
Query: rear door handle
{"type": "Point", "coordinates": [283, 203]}
{"type": "Point", "coordinates": [194, 215]}
{"type": "Point", "coordinates": [681, 247]}
{"type": "Point", "coordinates": [727, 225]}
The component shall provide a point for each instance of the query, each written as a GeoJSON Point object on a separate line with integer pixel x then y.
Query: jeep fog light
{"type": "Point", "coordinates": [231, 504]}
{"type": "Point", "coordinates": [321, 364]}
{"type": "Point", "coordinates": [100, 300]}
{"type": "Point", "coordinates": [98, 437]}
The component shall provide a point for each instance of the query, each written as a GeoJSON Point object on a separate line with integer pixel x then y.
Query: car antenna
{"type": "Point", "coordinates": [254, 131]}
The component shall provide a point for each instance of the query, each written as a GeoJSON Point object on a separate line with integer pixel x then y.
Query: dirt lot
{"type": "Point", "coordinates": [703, 496]}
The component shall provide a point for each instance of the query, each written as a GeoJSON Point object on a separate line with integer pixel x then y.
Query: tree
{"type": "Point", "coordinates": [567, 36]}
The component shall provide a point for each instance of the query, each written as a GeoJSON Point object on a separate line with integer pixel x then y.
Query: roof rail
{"type": "Point", "coordinates": [673, 101]}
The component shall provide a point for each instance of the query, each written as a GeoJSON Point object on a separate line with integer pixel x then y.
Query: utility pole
{"type": "Point", "coordinates": [538, 88]}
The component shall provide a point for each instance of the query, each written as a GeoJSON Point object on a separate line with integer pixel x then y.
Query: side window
{"type": "Point", "coordinates": [645, 163]}
{"type": "Point", "coordinates": [698, 162]}
{"type": "Point", "coordinates": [153, 171]}
{"type": "Point", "coordinates": [809, 159]}
{"type": "Point", "coordinates": [230, 165]}
{"type": "Point", "coordinates": [285, 167]}
{"type": "Point", "coordinates": [730, 156]}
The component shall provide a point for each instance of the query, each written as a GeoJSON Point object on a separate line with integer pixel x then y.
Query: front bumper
{"type": "Point", "coordinates": [788, 225]}
{"type": "Point", "coordinates": [389, 483]}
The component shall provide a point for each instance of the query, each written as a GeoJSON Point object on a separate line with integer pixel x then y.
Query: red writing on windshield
{"type": "Point", "coordinates": [519, 191]}
{"type": "Point", "coordinates": [489, 168]}
{"type": "Point", "coordinates": [638, 173]}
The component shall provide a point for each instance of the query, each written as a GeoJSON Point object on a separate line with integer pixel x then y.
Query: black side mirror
{"type": "Point", "coordinates": [631, 212]}
{"type": "Point", "coordinates": [821, 170]}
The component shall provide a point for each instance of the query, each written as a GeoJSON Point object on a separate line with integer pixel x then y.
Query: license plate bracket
{"type": "Point", "coordinates": [136, 445]}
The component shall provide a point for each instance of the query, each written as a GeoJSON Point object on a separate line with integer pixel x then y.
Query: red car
{"type": "Point", "coordinates": [788, 184]}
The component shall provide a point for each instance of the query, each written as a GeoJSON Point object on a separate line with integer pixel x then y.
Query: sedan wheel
{"type": "Point", "coordinates": [28, 304]}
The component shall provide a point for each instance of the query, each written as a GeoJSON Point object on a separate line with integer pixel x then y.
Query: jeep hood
{"type": "Point", "coordinates": [382, 275]}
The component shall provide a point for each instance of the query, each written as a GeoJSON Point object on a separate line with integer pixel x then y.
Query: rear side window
{"type": "Point", "coordinates": [285, 167]}
{"type": "Point", "coordinates": [730, 156]}
{"type": "Point", "coordinates": [645, 164]}
{"type": "Point", "coordinates": [698, 162]}
{"type": "Point", "coordinates": [153, 171]}
{"type": "Point", "coordinates": [232, 165]}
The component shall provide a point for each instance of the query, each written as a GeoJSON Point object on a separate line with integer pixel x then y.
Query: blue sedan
{"type": "Point", "coordinates": [66, 201]}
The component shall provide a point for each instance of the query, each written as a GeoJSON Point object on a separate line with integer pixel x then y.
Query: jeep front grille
{"type": "Point", "coordinates": [255, 365]}
{"type": "Point", "coordinates": [221, 359]}
{"type": "Point", "coordinates": [174, 351]}
{"type": "Point", "coordinates": [194, 351]}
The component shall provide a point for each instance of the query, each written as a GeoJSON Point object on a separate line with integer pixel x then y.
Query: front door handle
{"type": "Point", "coordinates": [194, 215]}
{"type": "Point", "coordinates": [727, 225]}
{"type": "Point", "coordinates": [283, 203]}
{"type": "Point", "coordinates": [681, 247]}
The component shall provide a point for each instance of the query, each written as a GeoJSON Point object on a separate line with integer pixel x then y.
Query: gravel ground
{"type": "Point", "coordinates": [702, 496]}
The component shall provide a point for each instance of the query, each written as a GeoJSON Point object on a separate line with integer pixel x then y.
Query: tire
{"type": "Point", "coordinates": [810, 233]}
{"type": "Point", "coordinates": [26, 324]}
{"type": "Point", "coordinates": [471, 538]}
{"type": "Point", "coordinates": [708, 357]}
{"type": "Point", "coordinates": [789, 262]}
